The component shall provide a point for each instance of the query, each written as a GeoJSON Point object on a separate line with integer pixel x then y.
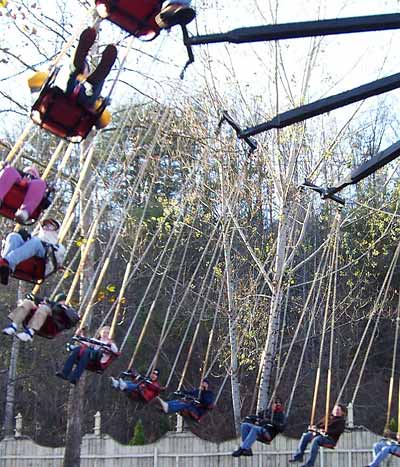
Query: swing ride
{"type": "Point", "coordinates": [64, 115]}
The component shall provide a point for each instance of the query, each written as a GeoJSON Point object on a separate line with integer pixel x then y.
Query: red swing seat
{"type": "Point", "coordinates": [52, 326]}
{"type": "Point", "coordinates": [95, 365]}
{"type": "Point", "coordinates": [192, 416]}
{"type": "Point", "coordinates": [31, 270]}
{"type": "Point", "coordinates": [136, 17]}
{"type": "Point", "coordinates": [264, 439]}
{"type": "Point", "coordinates": [15, 198]}
{"type": "Point", "coordinates": [62, 115]}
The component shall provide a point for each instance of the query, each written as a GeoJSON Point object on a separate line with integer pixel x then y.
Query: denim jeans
{"type": "Point", "coordinates": [316, 442]}
{"type": "Point", "coordinates": [383, 449]}
{"type": "Point", "coordinates": [80, 362]}
{"type": "Point", "coordinates": [15, 250]}
{"type": "Point", "coordinates": [83, 98]}
{"type": "Point", "coordinates": [130, 387]}
{"type": "Point", "coordinates": [250, 433]}
{"type": "Point", "coordinates": [178, 405]}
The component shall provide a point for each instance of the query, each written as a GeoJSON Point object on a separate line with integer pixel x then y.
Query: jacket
{"type": "Point", "coordinates": [336, 426]}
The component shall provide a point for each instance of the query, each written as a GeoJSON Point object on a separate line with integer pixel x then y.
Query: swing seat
{"type": "Point", "coordinates": [31, 270]}
{"type": "Point", "coordinates": [264, 439]}
{"type": "Point", "coordinates": [14, 199]}
{"type": "Point", "coordinates": [135, 17]}
{"type": "Point", "coordinates": [62, 115]}
{"type": "Point", "coordinates": [396, 454]}
{"type": "Point", "coordinates": [193, 416]}
{"type": "Point", "coordinates": [54, 324]}
{"type": "Point", "coordinates": [328, 446]}
{"type": "Point", "coordinates": [95, 365]}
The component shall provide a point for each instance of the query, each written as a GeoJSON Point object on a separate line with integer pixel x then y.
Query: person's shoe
{"type": "Point", "coordinates": [295, 459]}
{"type": "Point", "coordinates": [4, 271]}
{"type": "Point", "coordinates": [237, 453]}
{"type": "Point", "coordinates": [73, 381]}
{"type": "Point", "coordinates": [104, 67]}
{"type": "Point", "coordinates": [26, 335]}
{"type": "Point", "coordinates": [10, 330]}
{"type": "Point", "coordinates": [174, 14]}
{"type": "Point", "coordinates": [61, 375]}
{"type": "Point", "coordinates": [122, 384]}
{"type": "Point", "coordinates": [114, 382]}
{"type": "Point", "coordinates": [247, 452]}
{"type": "Point", "coordinates": [86, 40]}
{"type": "Point", "coordinates": [21, 216]}
{"type": "Point", "coordinates": [163, 404]}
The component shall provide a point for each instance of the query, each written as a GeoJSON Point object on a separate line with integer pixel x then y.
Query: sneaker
{"type": "Point", "coordinates": [26, 336]}
{"type": "Point", "coordinates": [174, 14]}
{"type": "Point", "coordinates": [247, 452]}
{"type": "Point", "coordinates": [237, 453]}
{"type": "Point", "coordinates": [104, 67]}
{"type": "Point", "coordinates": [4, 271]}
{"type": "Point", "coordinates": [10, 330]}
{"type": "Point", "coordinates": [21, 216]}
{"type": "Point", "coordinates": [86, 40]}
{"type": "Point", "coordinates": [163, 404]}
{"type": "Point", "coordinates": [122, 384]}
{"type": "Point", "coordinates": [114, 382]}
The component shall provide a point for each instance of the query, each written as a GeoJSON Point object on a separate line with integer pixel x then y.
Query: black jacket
{"type": "Point", "coordinates": [273, 422]}
{"type": "Point", "coordinates": [336, 426]}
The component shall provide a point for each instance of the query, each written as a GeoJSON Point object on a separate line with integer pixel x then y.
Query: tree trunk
{"type": "Point", "coordinates": [8, 425]}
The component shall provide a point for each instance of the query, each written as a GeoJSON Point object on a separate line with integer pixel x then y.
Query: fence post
{"type": "Point", "coordinates": [350, 415]}
{"type": "Point", "coordinates": [155, 458]}
{"type": "Point", "coordinates": [18, 426]}
{"type": "Point", "coordinates": [97, 424]}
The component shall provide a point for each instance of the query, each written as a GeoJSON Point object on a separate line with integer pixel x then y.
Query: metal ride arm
{"type": "Point", "coordinates": [358, 173]}
{"type": "Point", "coordinates": [325, 27]}
{"type": "Point", "coordinates": [227, 118]}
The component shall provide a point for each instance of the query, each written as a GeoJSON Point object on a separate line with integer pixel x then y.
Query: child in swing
{"type": "Point", "coordinates": [36, 189]}
{"type": "Point", "coordinates": [81, 355]}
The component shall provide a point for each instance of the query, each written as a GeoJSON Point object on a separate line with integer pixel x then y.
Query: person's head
{"type": "Point", "coordinates": [339, 410]}
{"type": "Point", "coordinates": [32, 170]}
{"type": "Point", "coordinates": [277, 405]}
{"type": "Point", "coordinates": [50, 225]}
{"type": "Point", "coordinates": [104, 332]}
{"type": "Point", "coordinates": [60, 298]}
{"type": "Point", "coordinates": [155, 374]}
{"type": "Point", "coordinates": [204, 384]}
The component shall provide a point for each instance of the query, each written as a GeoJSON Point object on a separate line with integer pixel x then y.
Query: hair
{"type": "Point", "coordinates": [343, 408]}
{"type": "Point", "coordinates": [103, 328]}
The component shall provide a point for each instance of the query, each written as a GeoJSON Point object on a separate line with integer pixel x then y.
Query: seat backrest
{"type": "Point", "coordinates": [62, 115]}
{"type": "Point", "coordinates": [49, 330]}
{"type": "Point", "coordinates": [31, 270]}
{"type": "Point", "coordinates": [98, 367]}
{"type": "Point", "coordinates": [13, 200]}
{"type": "Point", "coordinates": [135, 17]}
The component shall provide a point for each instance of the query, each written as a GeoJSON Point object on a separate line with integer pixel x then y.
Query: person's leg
{"type": "Point", "coordinates": [30, 248]}
{"type": "Point", "coordinates": [39, 317]}
{"type": "Point", "coordinates": [383, 454]}
{"type": "Point", "coordinates": [130, 387]}
{"type": "Point", "coordinates": [71, 360]}
{"type": "Point", "coordinates": [18, 315]}
{"type": "Point", "coordinates": [376, 449]}
{"type": "Point", "coordinates": [302, 446]}
{"type": "Point", "coordinates": [314, 448]}
{"type": "Point", "coordinates": [12, 242]}
{"type": "Point", "coordinates": [34, 195]}
{"type": "Point", "coordinates": [177, 405]}
{"type": "Point", "coordinates": [81, 365]}
{"type": "Point", "coordinates": [245, 429]}
{"type": "Point", "coordinates": [252, 435]}
{"type": "Point", "coordinates": [8, 177]}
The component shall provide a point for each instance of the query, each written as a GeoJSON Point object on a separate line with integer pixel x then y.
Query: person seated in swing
{"type": "Point", "coordinates": [265, 426]}
{"type": "Point", "coordinates": [146, 388]}
{"type": "Point", "coordinates": [36, 189]}
{"type": "Point", "coordinates": [20, 246]}
{"type": "Point", "coordinates": [196, 402]}
{"type": "Point", "coordinates": [82, 355]}
{"type": "Point", "coordinates": [175, 12]}
{"type": "Point", "coordinates": [318, 437]}
{"type": "Point", "coordinates": [65, 316]}
{"type": "Point", "coordinates": [82, 82]}
{"type": "Point", "coordinates": [390, 445]}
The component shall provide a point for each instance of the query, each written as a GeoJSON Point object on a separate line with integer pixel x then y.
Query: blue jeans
{"type": "Point", "coordinates": [316, 442]}
{"type": "Point", "coordinates": [83, 98]}
{"type": "Point", "coordinates": [16, 250]}
{"type": "Point", "coordinates": [130, 387]}
{"type": "Point", "coordinates": [178, 405]}
{"type": "Point", "coordinates": [250, 433]}
{"type": "Point", "coordinates": [80, 362]}
{"type": "Point", "coordinates": [383, 449]}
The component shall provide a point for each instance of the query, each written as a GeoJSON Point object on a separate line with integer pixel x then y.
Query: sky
{"type": "Point", "coordinates": [239, 75]}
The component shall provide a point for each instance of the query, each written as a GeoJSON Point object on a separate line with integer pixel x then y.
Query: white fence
{"type": "Point", "coordinates": [185, 450]}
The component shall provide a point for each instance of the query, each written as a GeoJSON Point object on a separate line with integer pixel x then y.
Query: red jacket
{"type": "Point", "coordinates": [150, 390]}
